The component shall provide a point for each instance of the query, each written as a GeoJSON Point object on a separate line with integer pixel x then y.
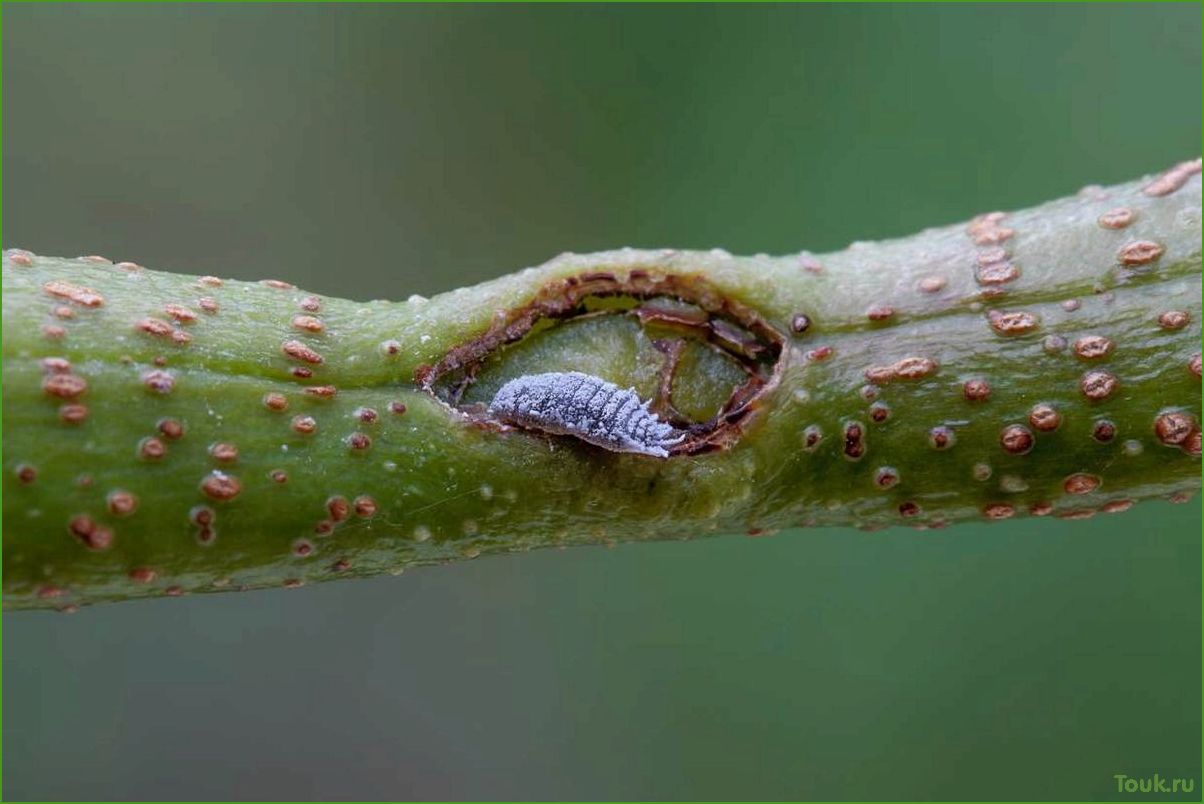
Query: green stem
{"type": "Point", "coordinates": [168, 434]}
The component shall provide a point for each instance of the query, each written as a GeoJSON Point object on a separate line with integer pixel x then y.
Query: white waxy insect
{"type": "Point", "coordinates": [586, 407]}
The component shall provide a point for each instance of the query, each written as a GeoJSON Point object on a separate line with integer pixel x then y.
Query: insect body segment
{"type": "Point", "coordinates": [588, 408]}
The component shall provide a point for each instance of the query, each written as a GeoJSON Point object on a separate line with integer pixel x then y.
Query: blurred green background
{"type": "Point", "coordinates": [379, 151]}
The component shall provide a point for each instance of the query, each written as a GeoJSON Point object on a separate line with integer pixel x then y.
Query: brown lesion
{"type": "Point", "coordinates": [703, 313]}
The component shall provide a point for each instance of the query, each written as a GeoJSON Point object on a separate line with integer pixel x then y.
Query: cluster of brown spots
{"type": "Point", "coordinates": [171, 428]}
{"type": "Point", "coordinates": [121, 502]}
{"type": "Point", "coordinates": [976, 390]}
{"type": "Point", "coordinates": [1044, 418]}
{"type": "Point", "coordinates": [303, 548]}
{"type": "Point", "coordinates": [358, 441]}
{"type": "Point", "coordinates": [998, 511]}
{"type": "Point", "coordinates": [879, 412]}
{"type": "Point", "coordinates": [180, 313]}
{"type": "Point", "coordinates": [854, 440]}
{"type": "Point", "coordinates": [25, 473]}
{"type": "Point", "coordinates": [908, 368]}
{"type": "Point", "coordinates": [1172, 179]}
{"type": "Point", "coordinates": [223, 452]}
{"type": "Point", "coordinates": [1070, 305]}
{"type": "Point", "coordinates": [932, 284]}
{"type": "Point", "coordinates": [1139, 252]}
{"type": "Point", "coordinates": [799, 323]}
{"type": "Point", "coordinates": [818, 354]}
{"type": "Point", "coordinates": [162, 329]}
{"type": "Point", "coordinates": [995, 267]}
{"type": "Point", "coordinates": [278, 476]}
{"type": "Point", "coordinates": [338, 508]}
{"type": "Point", "coordinates": [1081, 483]}
{"type": "Point", "coordinates": [1117, 218]}
{"type": "Point", "coordinates": [909, 509]}
{"type": "Point", "coordinates": [221, 486]}
{"type": "Point", "coordinates": [308, 323]}
{"type": "Point", "coordinates": [397, 408]}
{"type": "Point", "coordinates": [1193, 364]}
{"type": "Point", "coordinates": [1097, 385]}
{"type": "Point", "coordinates": [886, 477]}
{"type": "Point", "coordinates": [808, 262]}
{"type": "Point", "coordinates": [321, 391]}
{"type": "Point", "coordinates": [941, 437]}
{"type": "Point", "coordinates": [1016, 322]}
{"type": "Point", "coordinates": [208, 305]}
{"type": "Point", "coordinates": [1116, 506]}
{"type": "Point", "coordinates": [1016, 439]}
{"type": "Point", "coordinates": [310, 304]}
{"type": "Point", "coordinates": [879, 312]}
{"type": "Point", "coordinates": [812, 436]}
{"type": "Point", "coordinates": [1093, 347]}
{"type": "Point", "coordinates": [277, 284]}
{"type": "Point", "coordinates": [203, 517]}
{"type": "Point", "coordinates": [64, 386]}
{"type": "Point", "coordinates": [275, 401]}
{"type": "Point", "coordinates": [91, 535]}
{"type": "Point", "coordinates": [1040, 509]}
{"type": "Point", "coordinates": [63, 312]}
{"type": "Point", "coordinates": [296, 350]}
{"type": "Point", "coordinates": [1174, 319]}
{"type": "Point", "coordinates": [1174, 427]}
{"type": "Point", "coordinates": [159, 381]}
{"type": "Point", "coordinates": [151, 449]}
{"type": "Point", "coordinates": [76, 294]}
{"type": "Point", "coordinates": [1103, 430]}
{"type": "Point", "coordinates": [365, 507]}
{"type": "Point", "coordinates": [985, 230]}
{"type": "Point", "coordinates": [73, 413]}
{"type": "Point", "coordinates": [304, 424]}
{"type": "Point", "coordinates": [366, 415]}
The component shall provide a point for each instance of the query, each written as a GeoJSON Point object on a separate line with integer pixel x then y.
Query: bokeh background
{"type": "Point", "coordinates": [379, 151]}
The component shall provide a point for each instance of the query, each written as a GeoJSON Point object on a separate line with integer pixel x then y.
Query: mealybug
{"type": "Point", "coordinates": [586, 407]}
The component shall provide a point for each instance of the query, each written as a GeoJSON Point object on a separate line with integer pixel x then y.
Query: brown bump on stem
{"type": "Point", "coordinates": [223, 452]}
{"type": "Point", "coordinates": [151, 449]}
{"type": "Point", "coordinates": [1053, 344]}
{"type": "Point", "coordinates": [304, 424]}
{"type": "Point", "coordinates": [1139, 252]}
{"type": "Point", "coordinates": [296, 350]}
{"type": "Point", "coordinates": [1172, 179]}
{"type": "Point", "coordinates": [310, 304]}
{"type": "Point", "coordinates": [342, 565]}
{"type": "Point", "coordinates": [995, 268]}
{"type": "Point", "coordinates": [174, 591]}
{"type": "Point", "coordinates": [26, 473]}
{"type": "Point", "coordinates": [324, 527]}
{"type": "Point", "coordinates": [76, 294]}
{"type": "Point", "coordinates": [1193, 364]}
{"type": "Point", "coordinates": [1080, 483]}
{"type": "Point", "coordinates": [46, 591]}
{"type": "Point", "coordinates": [210, 282]}
{"type": "Point", "coordinates": [1116, 506]}
{"type": "Point", "coordinates": [278, 476]}
{"type": "Point", "coordinates": [143, 575]}
{"type": "Point", "coordinates": [879, 312]}
{"type": "Point", "coordinates": [275, 401]}
{"type": "Point", "coordinates": [171, 428]}
{"type": "Point", "coordinates": [397, 408]}
{"type": "Point", "coordinates": [998, 511]}
{"type": "Point", "coordinates": [159, 381]}
{"type": "Point", "coordinates": [1103, 431]}
{"type": "Point", "coordinates": [1016, 439]}
{"type": "Point", "coordinates": [56, 365]}
{"type": "Point", "coordinates": [1097, 385]}
{"type": "Point", "coordinates": [358, 441]}
{"type": "Point", "coordinates": [1192, 445]}
{"type": "Point", "coordinates": [277, 284]}
{"type": "Point", "coordinates": [941, 437]}
{"type": "Point", "coordinates": [64, 386]}
{"type": "Point", "coordinates": [976, 390]}
{"type": "Point", "coordinates": [809, 263]}
{"type": "Point", "coordinates": [365, 507]}
{"type": "Point", "coordinates": [879, 412]}
{"type": "Point", "coordinates": [22, 259]}
{"type": "Point", "coordinates": [909, 509]}
{"type": "Point", "coordinates": [1080, 513]}
{"type": "Point", "coordinates": [202, 515]}
{"type": "Point", "coordinates": [1117, 218]}
{"type": "Point", "coordinates": [799, 323]}
{"type": "Point", "coordinates": [301, 372]}
{"type": "Point", "coordinates": [880, 374]}
{"type": "Point", "coordinates": [302, 548]}
{"type": "Point", "coordinates": [812, 436]}
{"type": "Point", "coordinates": [932, 284]}
{"type": "Point", "coordinates": [1179, 497]}
{"type": "Point", "coordinates": [1070, 305]}
{"type": "Point", "coordinates": [53, 332]}
{"type": "Point", "coordinates": [64, 312]}
{"type": "Point", "coordinates": [1173, 427]}
{"type": "Point", "coordinates": [389, 348]}
{"type": "Point", "coordinates": [338, 508]}
{"type": "Point", "coordinates": [180, 313]}
{"type": "Point", "coordinates": [208, 305]}
{"type": "Point", "coordinates": [1016, 322]}
{"type": "Point", "coordinates": [180, 336]}
{"type": "Point", "coordinates": [153, 326]}
{"type": "Point", "coordinates": [1040, 509]}
{"type": "Point", "coordinates": [886, 477]}
{"type": "Point", "coordinates": [293, 583]}
{"type": "Point", "coordinates": [221, 486]}
{"type": "Point", "coordinates": [121, 502]}
{"type": "Point", "coordinates": [1093, 347]}
{"type": "Point", "coordinates": [1174, 319]}
{"type": "Point", "coordinates": [1044, 418]}
{"type": "Point", "coordinates": [854, 440]}
{"type": "Point", "coordinates": [308, 323]}
{"type": "Point", "coordinates": [73, 413]}
{"type": "Point", "coordinates": [321, 391]}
